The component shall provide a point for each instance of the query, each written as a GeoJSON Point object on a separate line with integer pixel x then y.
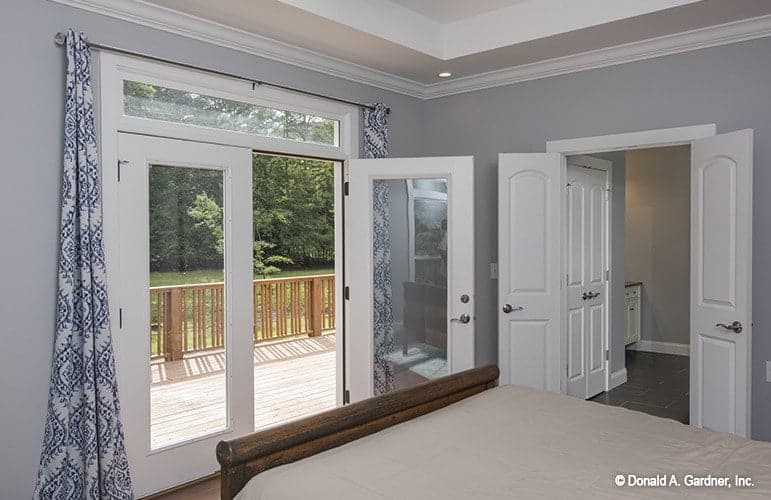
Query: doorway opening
{"type": "Point", "coordinates": [649, 263]}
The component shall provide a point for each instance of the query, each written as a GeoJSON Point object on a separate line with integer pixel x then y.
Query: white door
{"type": "Point", "coordinates": [184, 351]}
{"type": "Point", "coordinates": [410, 271]}
{"type": "Point", "coordinates": [529, 197]}
{"type": "Point", "coordinates": [721, 282]}
{"type": "Point", "coordinates": [586, 252]}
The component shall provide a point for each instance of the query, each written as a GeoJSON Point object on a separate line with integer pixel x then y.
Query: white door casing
{"type": "Point", "coordinates": [459, 173]}
{"type": "Point", "coordinates": [721, 281]}
{"type": "Point", "coordinates": [157, 469]}
{"type": "Point", "coordinates": [586, 251]}
{"type": "Point", "coordinates": [529, 295]}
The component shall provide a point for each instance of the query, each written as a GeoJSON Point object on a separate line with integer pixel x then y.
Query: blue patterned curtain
{"type": "Point", "coordinates": [83, 454]}
{"type": "Point", "coordinates": [376, 146]}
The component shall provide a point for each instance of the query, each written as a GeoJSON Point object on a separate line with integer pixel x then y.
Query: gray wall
{"type": "Point", "coordinates": [658, 244]}
{"type": "Point", "coordinates": [726, 85]}
{"type": "Point", "coordinates": [31, 139]}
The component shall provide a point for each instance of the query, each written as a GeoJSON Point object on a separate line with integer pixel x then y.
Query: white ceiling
{"type": "Point", "coordinates": [446, 11]}
{"type": "Point", "coordinates": [417, 39]}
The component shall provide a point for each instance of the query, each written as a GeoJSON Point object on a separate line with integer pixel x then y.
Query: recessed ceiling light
{"type": "Point", "coordinates": [445, 74]}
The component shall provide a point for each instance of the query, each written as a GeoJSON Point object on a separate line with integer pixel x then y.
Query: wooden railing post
{"type": "Point", "coordinates": [174, 344]}
{"type": "Point", "coordinates": [317, 307]}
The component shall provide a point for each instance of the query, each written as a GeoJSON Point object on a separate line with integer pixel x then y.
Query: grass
{"type": "Point", "coordinates": [167, 278]}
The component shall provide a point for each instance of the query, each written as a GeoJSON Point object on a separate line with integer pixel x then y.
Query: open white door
{"type": "Point", "coordinates": [586, 248]}
{"type": "Point", "coordinates": [410, 271]}
{"type": "Point", "coordinates": [721, 282]}
{"type": "Point", "coordinates": [529, 187]}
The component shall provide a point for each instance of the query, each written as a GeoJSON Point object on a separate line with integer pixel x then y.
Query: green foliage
{"type": "Point", "coordinates": [293, 210]}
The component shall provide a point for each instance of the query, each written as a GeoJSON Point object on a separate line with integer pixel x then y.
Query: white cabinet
{"type": "Point", "coordinates": [632, 302]}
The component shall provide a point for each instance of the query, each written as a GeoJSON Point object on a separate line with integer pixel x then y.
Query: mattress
{"type": "Point", "coordinates": [512, 442]}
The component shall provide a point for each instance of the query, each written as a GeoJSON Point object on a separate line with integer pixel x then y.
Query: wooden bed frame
{"type": "Point", "coordinates": [242, 458]}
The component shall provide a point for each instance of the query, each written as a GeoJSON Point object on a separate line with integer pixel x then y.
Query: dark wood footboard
{"type": "Point", "coordinates": [241, 459]}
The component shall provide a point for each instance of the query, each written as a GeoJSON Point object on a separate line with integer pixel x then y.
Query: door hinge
{"type": "Point", "coordinates": [120, 164]}
{"type": "Point", "coordinates": [346, 397]}
{"type": "Point", "coordinates": [607, 355]}
{"type": "Point", "coordinates": [347, 293]}
{"type": "Point", "coordinates": [120, 317]}
{"type": "Point", "coordinates": [346, 190]}
{"type": "Point", "coordinates": [607, 275]}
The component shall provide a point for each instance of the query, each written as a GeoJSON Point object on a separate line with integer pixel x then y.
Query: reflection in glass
{"type": "Point", "coordinates": [187, 304]}
{"type": "Point", "coordinates": [409, 281]}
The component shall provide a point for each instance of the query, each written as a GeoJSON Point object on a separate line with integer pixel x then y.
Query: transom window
{"type": "Point", "coordinates": [155, 102]}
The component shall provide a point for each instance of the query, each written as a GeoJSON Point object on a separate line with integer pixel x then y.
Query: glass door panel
{"type": "Point", "coordinates": [183, 349]}
{"type": "Point", "coordinates": [411, 271]}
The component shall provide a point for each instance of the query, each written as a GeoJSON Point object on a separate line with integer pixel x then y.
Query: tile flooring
{"type": "Point", "coordinates": [657, 384]}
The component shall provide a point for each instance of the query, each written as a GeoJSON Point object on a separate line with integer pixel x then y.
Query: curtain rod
{"type": "Point", "coordinates": [60, 39]}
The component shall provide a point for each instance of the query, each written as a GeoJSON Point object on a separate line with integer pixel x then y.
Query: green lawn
{"type": "Point", "coordinates": [215, 275]}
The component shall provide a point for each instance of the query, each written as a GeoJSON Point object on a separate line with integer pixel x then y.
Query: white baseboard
{"type": "Point", "coordinates": [617, 378]}
{"type": "Point", "coordinates": [662, 347]}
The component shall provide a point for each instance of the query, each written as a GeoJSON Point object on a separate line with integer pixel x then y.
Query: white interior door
{"type": "Point", "coordinates": [529, 294]}
{"type": "Point", "coordinates": [176, 405]}
{"type": "Point", "coordinates": [586, 252]}
{"type": "Point", "coordinates": [721, 282]}
{"type": "Point", "coordinates": [410, 271]}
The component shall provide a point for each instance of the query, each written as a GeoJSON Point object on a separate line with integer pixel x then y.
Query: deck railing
{"type": "Point", "coordinates": [190, 318]}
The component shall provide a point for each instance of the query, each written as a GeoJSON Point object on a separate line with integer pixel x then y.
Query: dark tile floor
{"type": "Point", "coordinates": [656, 384]}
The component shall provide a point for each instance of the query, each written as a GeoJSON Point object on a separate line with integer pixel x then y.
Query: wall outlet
{"type": "Point", "coordinates": [768, 371]}
{"type": "Point", "coordinates": [493, 270]}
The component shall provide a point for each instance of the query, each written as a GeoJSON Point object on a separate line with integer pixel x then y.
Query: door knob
{"type": "Point", "coordinates": [508, 308]}
{"type": "Point", "coordinates": [590, 295]}
{"type": "Point", "coordinates": [464, 318]}
{"type": "Point", "coordinates": [736, 326]}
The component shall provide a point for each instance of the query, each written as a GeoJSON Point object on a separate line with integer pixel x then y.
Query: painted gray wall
{"type": "Point", "coordinates": [658, 239]}
{"type": "Point", "coordinates": [617, 258]}
{"type": "Point", "coordinates": [726, 85]}
{"type": "Point", "coordinates": [31, 139]}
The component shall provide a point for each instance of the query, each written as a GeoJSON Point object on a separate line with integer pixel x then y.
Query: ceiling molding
{"type": "Point", "coordinates": [712, 36]}
{"type": "Point", "coordinates": [179, 23]}
{"type": "Point", "coordinates": [161, 18]}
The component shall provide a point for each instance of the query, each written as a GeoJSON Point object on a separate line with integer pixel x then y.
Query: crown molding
{"type": "Point", "coordinates": [161, 18]}
{"type": "Point", "coordinates": [712, 36]}
{"type": "Point", "coordinates": [180, 23]}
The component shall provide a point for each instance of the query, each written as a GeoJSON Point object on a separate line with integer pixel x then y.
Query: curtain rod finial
{"type": "Point", "coordinates": [60, 38]}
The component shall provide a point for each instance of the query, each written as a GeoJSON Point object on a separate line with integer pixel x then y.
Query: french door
{"type": "Point", "coordinates": [587, 263]}
{"type": "Point", "coordinates": [410, 272]}
{"type": "Point", "coordinates": [175, 407]}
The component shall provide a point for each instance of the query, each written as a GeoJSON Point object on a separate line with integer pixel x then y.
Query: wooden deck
{"type": "Point", "coordinates": [292, 379]}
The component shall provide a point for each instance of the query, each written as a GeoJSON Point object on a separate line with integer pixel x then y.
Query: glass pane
{"type": "Point", "coordinates": [187, 304]}
{"type": "Point", "coordinates": [143, 100]}
{"type": "Point", "coordinates": [437, 185]}
{"type": "Point", "coordinates": [410, 284]}
{"type": "Point", "coordinates": [293, 202]}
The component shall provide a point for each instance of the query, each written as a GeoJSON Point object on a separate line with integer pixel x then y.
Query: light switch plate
{"type": "Point", "coordinates": [493, 270]}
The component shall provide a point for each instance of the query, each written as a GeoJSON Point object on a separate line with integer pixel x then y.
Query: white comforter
{"type": "Point", "coordinates": [512, 442]}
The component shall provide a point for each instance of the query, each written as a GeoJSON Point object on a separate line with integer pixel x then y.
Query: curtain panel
{"type": "Point", "coordinates": [83, 454]}
{"type": "Point", "coordinates": [376, 146]}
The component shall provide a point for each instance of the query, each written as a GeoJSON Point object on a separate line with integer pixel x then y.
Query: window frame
{"type": "Point", "coordinates": [115, 68]}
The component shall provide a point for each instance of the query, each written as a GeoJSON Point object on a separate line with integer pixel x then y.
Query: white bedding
{"type": "Point", "coordinates": [512, 442]}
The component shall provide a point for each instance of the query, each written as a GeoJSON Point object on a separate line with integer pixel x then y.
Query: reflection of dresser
{"type": "Point", "coordinates": [632, 302]}
{"type": "Point", "coordinates": [425, 315]}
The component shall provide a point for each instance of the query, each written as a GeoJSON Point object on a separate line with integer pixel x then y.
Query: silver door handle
{"type": "Point", "coordinates": [590, 295]}
{"type": "Point", "coordinates": [736, 326]}
{"type": "Point", "coordinates": [508, 308]}
{"type": "Point", "coordinates": [464, 318]}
